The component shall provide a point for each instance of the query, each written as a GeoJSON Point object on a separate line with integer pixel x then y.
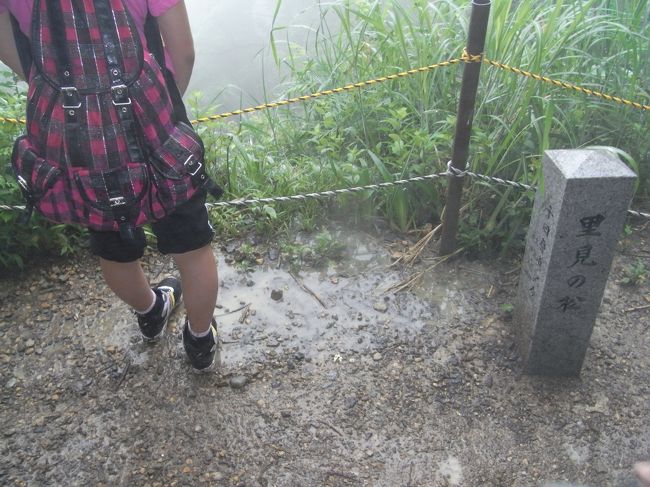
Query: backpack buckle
{"type": "Point", "coordinates": [23, 183]}
{"type": "Point", "coordinates": [71, 99]}
{"type": "Point", "coordinates": [120, 95]}
{"type": "Point", "coordinates": [117, 201]}
{"type": "Point", "coordinates": [190, 162]}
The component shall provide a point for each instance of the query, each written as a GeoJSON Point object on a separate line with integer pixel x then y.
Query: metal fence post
{"type": "Point", "coordinates": [475, 45]}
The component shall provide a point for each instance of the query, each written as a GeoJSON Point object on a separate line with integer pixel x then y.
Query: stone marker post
{"type": "Point", "coordinates": [577, 219]}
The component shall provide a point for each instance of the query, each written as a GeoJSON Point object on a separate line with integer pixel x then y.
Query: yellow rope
{"type": "Point", "coordinates": [465, 57]}
{"type": "Point", "coordinates": [564, 84]}
{"type": "Point", "coordinates": [334, 91]}
{"type": "Point", "coordinates": [14, 121]}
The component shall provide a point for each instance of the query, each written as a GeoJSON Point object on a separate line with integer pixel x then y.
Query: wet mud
{"type": "Point", "coordinates": [327, 376]}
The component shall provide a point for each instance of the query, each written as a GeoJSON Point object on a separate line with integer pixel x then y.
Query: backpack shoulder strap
{"type": "Point", "coordinates": [156, 48]}
{"type": "Point", "coordinates": [23, 46]}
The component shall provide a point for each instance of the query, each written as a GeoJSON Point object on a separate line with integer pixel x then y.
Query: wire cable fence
{"type": "Point", "coordinates": [450, 172]}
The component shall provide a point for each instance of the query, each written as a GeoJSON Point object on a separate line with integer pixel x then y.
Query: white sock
{"type": "Point", "coordinates": [154, 297]}
{"type": "Point", "coordinates": [197, 335]}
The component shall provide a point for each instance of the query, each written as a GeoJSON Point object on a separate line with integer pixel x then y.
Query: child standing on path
{"type": "Point", "coordinates": [186, 233]}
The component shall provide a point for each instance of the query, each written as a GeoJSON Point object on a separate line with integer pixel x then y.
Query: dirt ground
{"type": "Point", "coordinates": [340, 382]}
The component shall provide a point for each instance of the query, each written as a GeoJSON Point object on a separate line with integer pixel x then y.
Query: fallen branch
{"type": "Point", "coordinates": [307, 290]}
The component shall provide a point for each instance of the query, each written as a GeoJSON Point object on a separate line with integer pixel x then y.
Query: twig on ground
{"type": "Point", "coordinates": [233, 311]}
{"type": "Point", "coordinates": [409, 282]}
{"type": "Point", "coordinates": [260, 476]}
{"type": "Point", "coordinates": [638, 308]}
{"type": "Point", "coordinates": [245, 313]}
{"type": "Point", "coordinates": [414, 252]}
{"type": "Point", "coordinates": [330, 426]}
{"type": "Point", "coordinates": [127, 367]}
{"type": "Point", "coordinates": [307, 290]}
{"type": "Point", "coordinates": [349, 476]}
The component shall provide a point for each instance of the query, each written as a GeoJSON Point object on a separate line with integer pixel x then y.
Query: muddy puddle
{"type": "Point", "coordinates": [345, 308]}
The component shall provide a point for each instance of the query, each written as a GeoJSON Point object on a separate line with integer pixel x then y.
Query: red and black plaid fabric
{"type": "Point", "coordinates": [78, 162]}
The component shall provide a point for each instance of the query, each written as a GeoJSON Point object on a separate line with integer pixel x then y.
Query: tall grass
{"type": "Point", "coordinates": [404, 128]}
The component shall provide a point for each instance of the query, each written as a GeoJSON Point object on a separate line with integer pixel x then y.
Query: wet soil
{"type": "Point", "coordinates": [328, 377]}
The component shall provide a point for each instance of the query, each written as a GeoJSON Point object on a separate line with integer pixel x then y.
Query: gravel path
{"type": "Point", "coordinates": [326, 379]}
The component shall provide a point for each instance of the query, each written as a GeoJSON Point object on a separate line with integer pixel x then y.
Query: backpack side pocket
{"type": "Point", "coordinates": [175, 163]}
{"type": "Point", "coordinates": [40, 182]}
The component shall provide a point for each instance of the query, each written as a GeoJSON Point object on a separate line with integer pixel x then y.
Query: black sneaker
{"type": "Point", "coordinates": [201, 351]}
{"type": "Point", "coordinates": [168, 296]}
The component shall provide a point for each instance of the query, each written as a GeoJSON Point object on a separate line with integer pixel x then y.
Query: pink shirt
{"type": "Point", "coordinates": [22, 10]}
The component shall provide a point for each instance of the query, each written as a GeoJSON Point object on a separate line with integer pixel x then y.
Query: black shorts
{"type": "Point", "coordinates": [186, 229]}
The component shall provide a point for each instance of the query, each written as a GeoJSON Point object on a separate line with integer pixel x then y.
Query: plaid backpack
{"type": "Point", "coordinates": [108, 142]}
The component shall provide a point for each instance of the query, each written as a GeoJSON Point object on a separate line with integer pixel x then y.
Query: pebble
{"type": "Point", "coordinates": [238, 381]}
{"type": "Point", "coordinates": [380, 306]}
{"type": "Point", "coordinates": [277, 294]}
{"type": "Point", "coordinates": [376, 356]}
{"type": "Point", "coordinates": [350, 402]}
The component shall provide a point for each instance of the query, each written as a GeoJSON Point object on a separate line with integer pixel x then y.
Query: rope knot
{"type": "Point", "coordinates": [455, 172]}
{"type": "Point", "coordinates": [471, 58]}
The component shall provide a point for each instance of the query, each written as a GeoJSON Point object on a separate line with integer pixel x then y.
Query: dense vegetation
{"type": "Point", "coordinates": [405, 128]}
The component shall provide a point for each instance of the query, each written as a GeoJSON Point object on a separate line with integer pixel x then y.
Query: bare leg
{"type": "Point", "coordinates": [128, 282]}
{"type": "Point", "coordinates": [200, 283]}
{"type": "Point", "coordinates": [642, 470]}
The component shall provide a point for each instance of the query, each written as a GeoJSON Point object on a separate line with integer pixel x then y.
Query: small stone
{"type": "Point", "coordinates": [376, 356]}
{"type": "Point", "coordinates": [238, 382]}
{"type": "Point", "coordinates": [350, 402]}
{"type": "Point", "coordinates": [380, 306]}
{"type": "Point", "coordinates": [197, 428]}
{"type": "Point", "coordinates": [30, 343]}
{"type": "Point", "coordinates": [272, 343]}
{"type": "Point", "coordinates": [11, 383]}
{"type": "Point", "coordinates": [277, 294]}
